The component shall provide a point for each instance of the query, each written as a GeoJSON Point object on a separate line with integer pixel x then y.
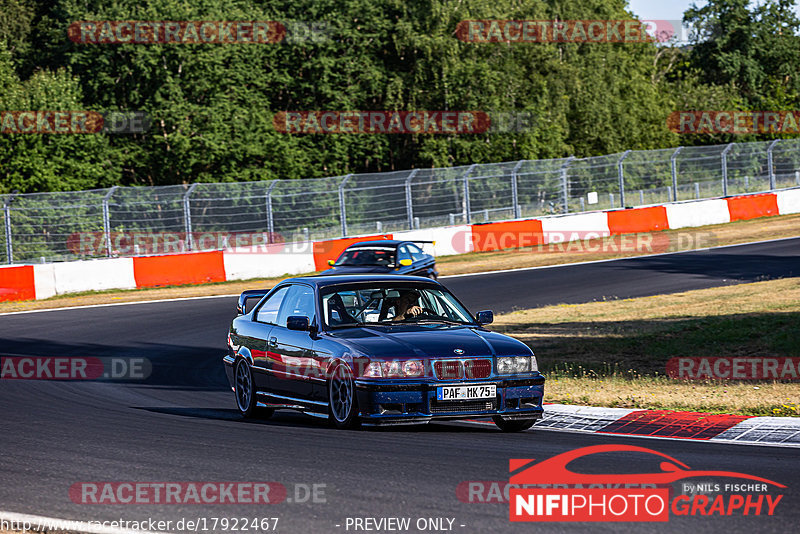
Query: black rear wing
{"type": "Point", "coordinates": [250, 294]}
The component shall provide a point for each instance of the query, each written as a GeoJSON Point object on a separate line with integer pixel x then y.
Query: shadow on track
{"type": "Point", "coordinates": [173, 366]}
{"type": "Point", "coordinates": [738, 267]}
{"type": "Point", "coordinates": [290, 419]}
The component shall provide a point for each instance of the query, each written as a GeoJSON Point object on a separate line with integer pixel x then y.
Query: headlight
{"type": "Point", "coordinates": [395, 369]}
{"type": "Point", "coordinates": [413, 368]}
{"type": "Point", "coordinates": [373, 370]}
{"type": "Point", "coordinates": [522, 364]}
{"type": "Point", "coordinates": [507, 365]}
{"type": "Point", "coordinates": [392, 369]}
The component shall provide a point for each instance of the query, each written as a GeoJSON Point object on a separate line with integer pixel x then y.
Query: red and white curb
{"type": "Point", "coordinates": [666, 424]}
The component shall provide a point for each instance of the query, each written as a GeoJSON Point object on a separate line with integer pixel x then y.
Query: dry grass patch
{"type": "Point", "coordinates": [746, 398]}
{"type": "Point", "coordinates": [714, 235]}
{"type": "Point", "coordinates": [614, 353]}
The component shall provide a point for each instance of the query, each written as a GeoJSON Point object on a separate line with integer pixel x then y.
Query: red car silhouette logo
{"type": "Point", "coordinates": [554, 470]}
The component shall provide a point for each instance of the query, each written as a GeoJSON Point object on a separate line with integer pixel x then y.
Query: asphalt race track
{"type": "Point", "coordinates": [180, 424]}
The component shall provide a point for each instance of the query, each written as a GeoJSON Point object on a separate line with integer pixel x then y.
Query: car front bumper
{"type": "Point", "coordinates": [392, 402]}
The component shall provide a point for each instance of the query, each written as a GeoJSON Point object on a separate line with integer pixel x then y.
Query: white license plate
{"type": "Point", "coordinates": [466, 392]}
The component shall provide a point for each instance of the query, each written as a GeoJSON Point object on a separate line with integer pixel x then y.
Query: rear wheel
{"type": "Point", "coordinates": [342, 402]}
{"type": "Point", "coordinates": [245, 391]}
{"type": "Point", "coordinates": [516, 425]}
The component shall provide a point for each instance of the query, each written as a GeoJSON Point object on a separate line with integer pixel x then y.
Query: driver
{"type": "Point", "coordinates": [407, 305]}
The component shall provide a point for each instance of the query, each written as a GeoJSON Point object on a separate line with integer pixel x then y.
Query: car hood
{"type": "Point", "coordinates": [355, 269]}
{"type": "Point", "coordinates": [429, 341]}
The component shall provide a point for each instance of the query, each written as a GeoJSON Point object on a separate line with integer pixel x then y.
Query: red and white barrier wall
{"type": "Point", "coordinates": [27, 282]}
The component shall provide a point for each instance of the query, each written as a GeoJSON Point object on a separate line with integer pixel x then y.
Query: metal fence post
{"type": "Point", "coordinates": [270, 223]}
{"type": "Point", "coordinates": [107, 219]}
{"type": "Point", "coordinates": [409, 203]}
{"type": "Point", "coordinates": [342, 210]}
{"type": "Point", "coordinates": [565, 183]}
{"type": "Point", "coordinates": [467, 207]}
{"type": "Point", "coordinates": [771, 171]}
{"type": "Point", "coordinates": [725, 169]}
{"type": "Point", "coordinates": [674, 167]}
{"type": "Point", "coordinates": [7, 216]}
{"type": "Point", "coordinates": [622, 178]}
{"type": "Point", "coordinates": [515, 191]}
{"type": "Point", "coordinates": [187, 217]}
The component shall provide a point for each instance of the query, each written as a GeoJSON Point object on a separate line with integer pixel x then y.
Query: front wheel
{"type": "Point", "coordinates": [517, 425]}
{"type": "Point", "coordinates": [342, 402]}
{"type": "Point", "coordinates": [245, 392]}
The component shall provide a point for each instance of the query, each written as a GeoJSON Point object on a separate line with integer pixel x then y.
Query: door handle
{"type": "Point", "coordinates": [273, 341]}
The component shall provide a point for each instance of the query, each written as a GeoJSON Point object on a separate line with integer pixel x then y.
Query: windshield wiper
{"type": "Point", "coordinates": [347, 325]}
{"type": "Point", "coordinates": [441, 320]}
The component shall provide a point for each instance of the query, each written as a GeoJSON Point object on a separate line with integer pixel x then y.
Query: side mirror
{"type": "Point", "coordinates": [406, 263]}
{"type": "Point", "coordinates": [297, 322]}
{"type": "Point", "coordinates": [331, 262]}
{"type": "Point", "coordinates": [485, 317]}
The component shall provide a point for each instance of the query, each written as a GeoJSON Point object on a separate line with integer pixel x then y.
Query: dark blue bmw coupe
{"type": "Point", "coordinates": [377, 349]}
{"type": "Point", "coordinates": [385, 256]}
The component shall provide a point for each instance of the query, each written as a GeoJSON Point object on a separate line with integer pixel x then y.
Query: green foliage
{"type": "Point", "coordinates": [212, 104]}
{"type": "Point", "coordinates": [755, 50]}
{"type": "Point", "coordinates": [33, 162]}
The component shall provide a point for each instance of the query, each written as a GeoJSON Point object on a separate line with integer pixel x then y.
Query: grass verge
{"type": "Point", "coordinates": [614, 353]}
{"type": "Point", "coordinates": [717, 235]}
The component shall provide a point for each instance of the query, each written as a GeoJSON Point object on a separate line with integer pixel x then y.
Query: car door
{"type": "Point", "coordinates": [265, 316]}
{"type": "Point", "coordinates": [404, 254]}
{"type": "Point", "coordinates": [292, 361]}
{"type": "Point", "coordinates": [422, 262]}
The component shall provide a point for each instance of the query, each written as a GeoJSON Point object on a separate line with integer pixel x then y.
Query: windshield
{"type": "Point", "coordinates": [387, 305]}
{"type": "Point", "coordinates": [383, 256]}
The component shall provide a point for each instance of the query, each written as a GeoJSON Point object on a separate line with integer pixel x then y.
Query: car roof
{"type": "Point", "coordinates": [377, 242]}
{"type": "Point", "coordinates": [340, 279]}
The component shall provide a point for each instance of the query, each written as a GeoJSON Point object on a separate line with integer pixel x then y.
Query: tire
{"type": "Point", "coordinates": [342, 401]}
{"type": "Point", "coordinates": [517, 425]}
{"type": "Point", "coordinates": [245, 393]}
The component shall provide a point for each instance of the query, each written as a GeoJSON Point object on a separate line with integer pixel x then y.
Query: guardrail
{"type": "Point", "coordinates": [46, 227]}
